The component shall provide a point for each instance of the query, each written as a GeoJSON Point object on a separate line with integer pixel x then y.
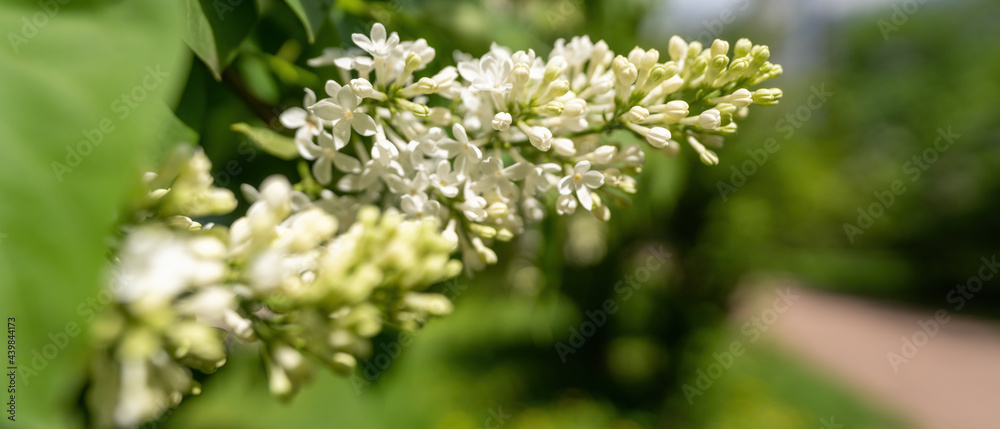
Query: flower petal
{"type": "Point", "coordinates": [332, 87]}
{"type": "Point", "coordinates": [459, 131]}
{"type": "Point", "coordinates": [322, 171]}
{"type": "Point", "coordinates": [328, 111]}
{"type": "Point", "coordinates": [378, 34]}
{"type": "Point", "coordinates": [566, 185]}
{"type": "Point", "coordinates": [584, 195]}
{"type": "Point", "coordinates": [363, 124]}
{"type": "Point", "coordinates": [310, 98]}
{"type": "Point", "coordinates": [294, 117]}
{"type": "Point", "coordinates": [593, 179]}
{"type": "Point", "coordinates": [308, 149]}
{"type": "Point", "coordinates": [363, 42]}
{"type": "Point", "coordinates": [346, 98]}
{"type": "Point", "coordinates": [449, 191]}
{"type": "Point", "coordinates": [346, 163]}
{"type": "Point", "coordinates": [469, 71]}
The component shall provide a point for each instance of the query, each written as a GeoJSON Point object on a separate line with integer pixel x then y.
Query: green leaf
{"type": "Point", "coordinates": [81, 93]}
{"type": "Point", "coordinates": [214, 29]}
{"type": "Point", "coordinates": [272, 142]}
{"type": "Point", "coordinates": [311, 13]}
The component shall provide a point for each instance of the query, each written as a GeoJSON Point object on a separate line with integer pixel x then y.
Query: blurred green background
{"type": "Point", "coordinates": [892, 90]}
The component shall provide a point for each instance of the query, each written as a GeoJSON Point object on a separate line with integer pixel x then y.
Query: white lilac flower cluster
{"type": "Point", "coordinates": [281, 274]}
{"type": "Point", "coordinates": [489, 145]}
{"type": "Point", "coordinates": [457, 159]}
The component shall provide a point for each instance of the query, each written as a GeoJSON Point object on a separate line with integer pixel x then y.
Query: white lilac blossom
{"type": "Point", "coordinates": [511, 110]}
{"type": "Point", "coordinates": [457, 158]}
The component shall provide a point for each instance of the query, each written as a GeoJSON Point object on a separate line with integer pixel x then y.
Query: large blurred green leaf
{"type": "Point", "coordinates": [311, 13]}
{"type": "Point", "coordinates": [62, 179]}
{"type": "Point", "coordinates": [272, 142]}
{"type": "Point", "coordinates": [215, 29]}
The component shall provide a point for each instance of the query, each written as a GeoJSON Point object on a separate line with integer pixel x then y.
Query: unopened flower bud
{"type": "Point", "coordinates": [604, 154]}
{"type": "Point", "coordinates": [413, 62]}
{"type": "Point", "coordinates": [627, 73]}
{"type": "Point", "coordinates": [501, 121]}
{"type": "Point", "coordinates": [564, 146]}
{"type": "Point", "coordinates": [649, 59]}
{"type": "Point", "coordinates": [636, 114]}
{"type": "Point", "coordinates": [719, 47]}
{"type": "Point", "coordinates": [658, 137]}
{"type": "Point", "coordinates": [426, 85]}
{"type": "Point", "coordinates": [767, 97]}
{"type": "Point", "coordinates": [672, 85]}
{"type": "Point", "coordinates": [706, 155]}
{"type": "Point", "coordinates": [420, 110]}
{"type": "Point", "coordinates": [520, 74]}
{"type": "Point", "coordinates": [552, 108]}
{"type": "Point", "coordinates": [575, 107]}
{"type": "Point", "coordinates": [677, 48]}
{"type": "Point", "coordinates": [742, 48]}
{"type": "Point", "coordinates": [675, 110]}
{"type": "Point", "coordinates": [710, 119]}
{"type": "Point", "coordinates": [556, 89]}
{"type": "Point", "coordinates": [362, 88]}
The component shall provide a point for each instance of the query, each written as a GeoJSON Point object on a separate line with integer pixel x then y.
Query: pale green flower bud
{"type": "Point", "coordinates": [706, 155]}
{"type": "Point", "coordinates": [413, 62]}
{"type": "Point", "coordinates": [743, 47]}
{"type": "Point", "coordinates": [719, 47]}
{"type": "Point", "coordinates": [426, 85]}
{"type": "Point", "coordinates": [649, 59]}
{"type": "Point", "coordinates": [552, 108]}
{"type": "Point", "coordinates": [694, 49]}
{"type": "Point", "coordinates": [677, 48]}
{"type": "Point", "coordinates": [556, 89]}
{"type": "Point", "coordinates": [699, 66]}
{"type": "Point", "coordinates": [343, 363]}
{"type": "Point", "coordinates": [420, 110]}
{"type": "Point", "coordinates": [635, 55]}
{"type": "Point", "coordinates": [767, 97]}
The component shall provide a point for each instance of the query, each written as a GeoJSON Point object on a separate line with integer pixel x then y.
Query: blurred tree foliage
{"type": "Point", "coordinates": [891, 99]}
